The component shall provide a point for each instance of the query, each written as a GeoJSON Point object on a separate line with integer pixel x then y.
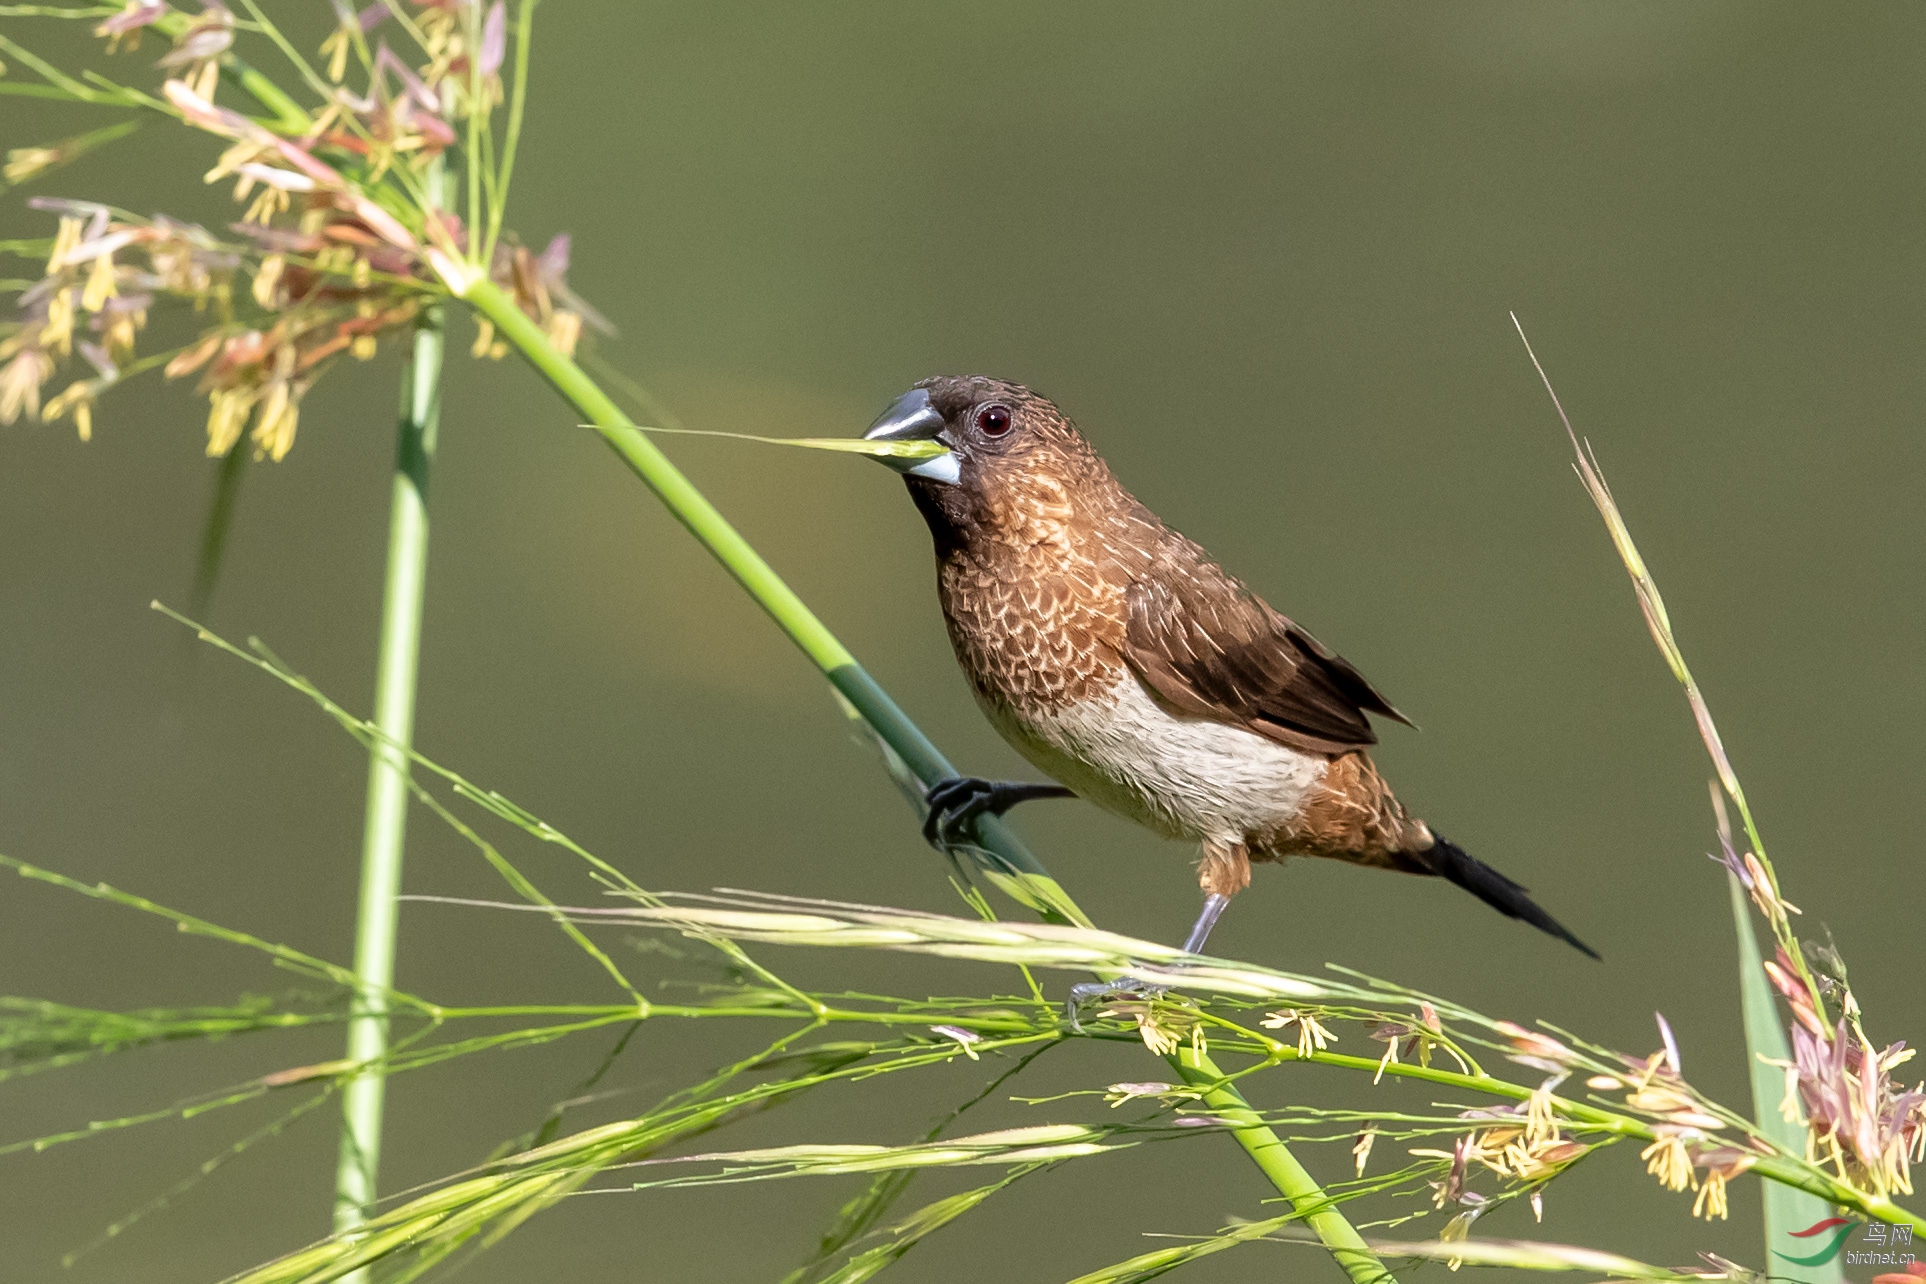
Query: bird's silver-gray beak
{"type": "Point", "coordinates": [911, 417]}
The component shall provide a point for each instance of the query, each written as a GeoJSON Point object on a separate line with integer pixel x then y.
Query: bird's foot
{"type": "Point", "coordinates": [954, 805]}
{"type": "Point", "coordinates": [1091, 992]}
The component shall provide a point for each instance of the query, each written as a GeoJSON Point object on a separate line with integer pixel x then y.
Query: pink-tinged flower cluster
{"type": "Point", "coordinates": [465, 45]}
{"type": "Point", "coordinates": [197, 51]}
{"type": "Point", "coordinates": [399, 116]}
{"type": "Point", "coordinates": [1687, 1134]}
{"type": "Point", "coordinates": [539, 283]}
{"type": "Point", "coordinates": [1868, 1128]}
{"type": "Point", "coordinates": [1525, 1146]}
{"type": "Point", "coordinates": [1409, 1041]}
{"type": "Point", "coordinates": [1539, 1051]}
{"type": "Point", "coordinates": [1798, 996]}
{"type": "Point", "coordinates": [1690, 1148]}
{"type": "Point", "coordinates": [123, 29]}
{"type": "Point", "coordinates": [102, 276]}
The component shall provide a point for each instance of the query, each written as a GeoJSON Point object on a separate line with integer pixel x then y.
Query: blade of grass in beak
{"type": "Point", "coordinates": [925, 449]}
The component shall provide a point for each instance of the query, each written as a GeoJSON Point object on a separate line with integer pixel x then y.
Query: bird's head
{"type": "Point", "coordinates": [1005, 442]}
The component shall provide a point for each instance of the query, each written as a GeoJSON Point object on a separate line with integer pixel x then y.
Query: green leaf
{"type": "Point", "coordinates": [1786, 1210]}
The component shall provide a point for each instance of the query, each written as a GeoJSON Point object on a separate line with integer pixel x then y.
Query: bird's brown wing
{"type": "Point", "coordinates": [1213, 649]}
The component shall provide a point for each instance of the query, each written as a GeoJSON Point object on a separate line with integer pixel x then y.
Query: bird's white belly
{"type": "Point", "coordinates": [1185, 777]}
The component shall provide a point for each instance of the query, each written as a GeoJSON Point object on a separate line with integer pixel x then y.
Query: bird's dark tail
{"type": "Point", "coordinates": [1451, 862]}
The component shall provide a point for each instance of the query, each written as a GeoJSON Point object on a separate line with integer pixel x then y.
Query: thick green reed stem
{"type": "Point", "coordinates": [1013, 867]}
{"type": "Point", "coordinates": [1278, 1163]}
{"type": "Point", "coordinates": [385, 825]}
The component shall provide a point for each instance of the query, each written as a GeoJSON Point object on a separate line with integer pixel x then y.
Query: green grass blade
{"type": "Point", "coordinates": [909, 1232]}
{"type": "Point", "coordinates": [1162, 1261]}
{"type": "Point", "coordinates": [37, 1035]}
{"type": "Point", "coordinates": [1786, 1209]}
{"type": "Point", "coordinates": [860, 1214]}
{"type": "Point", "coordinates": [286, 956]}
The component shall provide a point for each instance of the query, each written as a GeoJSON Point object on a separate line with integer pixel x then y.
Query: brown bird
{"type": "Point", "coordinates": [1116, 656]}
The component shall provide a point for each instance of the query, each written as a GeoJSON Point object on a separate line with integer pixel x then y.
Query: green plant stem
{"type": "Point", "coordinates": [387, 809]}
{"type": "Point", "coordinates": [1275, 1159]}
{"type": "Point", "coordinates": [1024, 873]}
{"type": "Point", "coordinates": [511, 139]}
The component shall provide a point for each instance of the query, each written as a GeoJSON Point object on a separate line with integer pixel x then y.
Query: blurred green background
{"type": "Point", "coordinates": [1263, 254]}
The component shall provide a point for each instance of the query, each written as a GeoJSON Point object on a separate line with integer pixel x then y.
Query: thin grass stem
{"type": "Point", "coordinates": [385, 825]}
{"type": "Point", "coordinates": [517, 103]}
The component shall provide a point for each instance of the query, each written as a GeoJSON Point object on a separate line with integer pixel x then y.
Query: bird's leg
{"type": "Point", "coordinates": [956, 802]}
{"type": "Point", "coordinates": [1088, 991]}
{"type": "Point", "coordinates": [1223, 871]}
{"type": "Point", "coordinates": [1206, 919]}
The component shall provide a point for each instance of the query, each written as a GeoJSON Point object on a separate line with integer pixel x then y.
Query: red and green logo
{"type": "Point", "coordinates": [1833, 1229]}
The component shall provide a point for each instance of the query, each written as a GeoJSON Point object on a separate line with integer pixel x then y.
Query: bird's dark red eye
{"type": "Point", "coordinates": [993, 420]}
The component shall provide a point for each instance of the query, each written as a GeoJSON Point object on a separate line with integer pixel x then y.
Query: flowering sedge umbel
{"type": "Point", "coordinates": [341, 243]}
{"type": "Point", "coordinates": [1408, 1041]}
{"type": "Point", "coordinates": [1524, 1145]}
{"type": "Point", "coordinates": [1859, 1121]}
{"type": "Point", "coordinates": [105, 274]}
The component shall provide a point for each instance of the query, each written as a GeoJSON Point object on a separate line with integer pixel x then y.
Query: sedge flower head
{"type": "Point", "coordinates": [20, 381]}
{"type": "Point", "coordinates": [1539, 1051]}
{"type": "Point", "coordinates": [1312, 1036]}
{"type": "Point", "coordinates": [1666, 1159]}
{"type": "Point", "coordinates": [1711, 1201]}
{"type": "Point", "coordinates": [965, 1039]}
{"type": "Point", "coordinates": [1361, 1149]}
{"type": "Point", "coordinates": [1165, 1093]}
{"type": "Point", "coordinates": [1541, 1117]}
{"type": "Point", "coordinates": [1158, 1035]}
{"type": "Point", "coordinates": [77, 399]}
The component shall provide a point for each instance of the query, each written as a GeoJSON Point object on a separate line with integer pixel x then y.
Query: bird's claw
{"type": "Point", "coordinates": [1093, 991]}
{"type": "Point", "coordinates": [955, 803]}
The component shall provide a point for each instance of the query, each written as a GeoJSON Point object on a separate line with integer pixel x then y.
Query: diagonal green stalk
{"type": "Point", "coordinates": [1009, 863]}
{"type": "Point", "coordinates": [1268, 1151]}
{"type": "Point", "coordinates": [385, 825]}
